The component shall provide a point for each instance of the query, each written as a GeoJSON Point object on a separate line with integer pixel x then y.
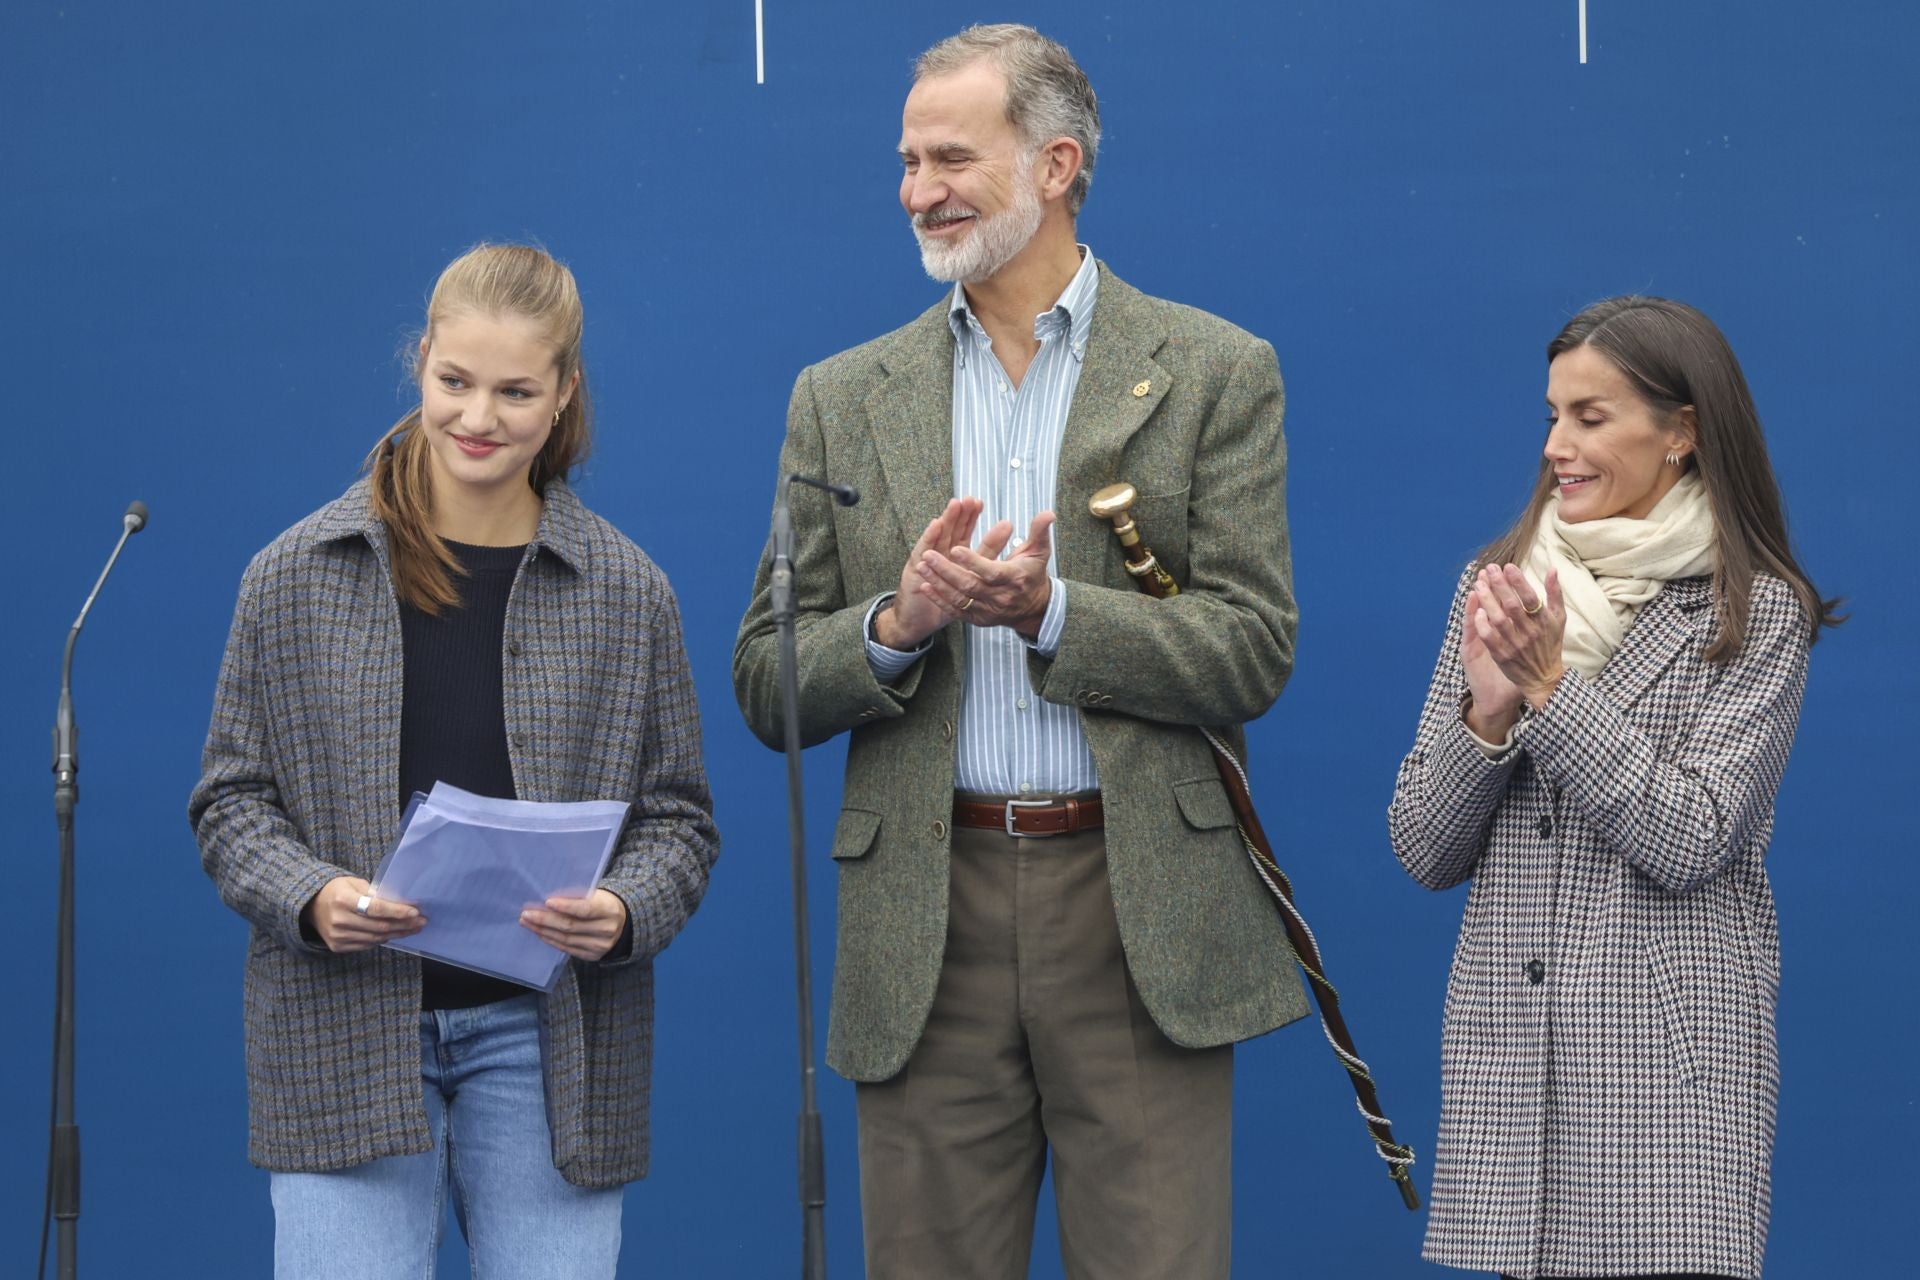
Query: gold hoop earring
{"type": "Point", "coordinates": [556, 422]}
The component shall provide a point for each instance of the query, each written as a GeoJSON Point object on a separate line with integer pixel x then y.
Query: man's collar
{"type": "Point", "coordinates": [1075, 303]}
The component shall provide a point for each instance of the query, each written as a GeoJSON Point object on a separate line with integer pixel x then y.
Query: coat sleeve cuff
{"type": "Point", "coordinates": [293, 930]}
{"type": "Point", "coordinates": [888, 664]}
{"type": "Point", "coordinates": [1053, 622]}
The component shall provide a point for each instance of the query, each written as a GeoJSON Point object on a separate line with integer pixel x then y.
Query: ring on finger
{"type": "Point", "coordinates": [968, 605]}
{"type": "Point", "coordinates": [361, 907]}
{"type": "Point", "coordinates": [1538, 605]}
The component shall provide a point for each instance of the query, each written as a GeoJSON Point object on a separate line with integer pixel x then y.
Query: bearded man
{"type": "Point", "coordinates": [1049, 934]}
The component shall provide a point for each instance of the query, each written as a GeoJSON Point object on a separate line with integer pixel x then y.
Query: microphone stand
{"type": "Point", "coordinates": [813, 1174]}
{"type": "Point", "coordinates": [63, 1159]}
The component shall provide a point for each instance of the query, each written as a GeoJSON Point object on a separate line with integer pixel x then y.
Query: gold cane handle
{"type": "Point", "coordinates": [1115, 503]}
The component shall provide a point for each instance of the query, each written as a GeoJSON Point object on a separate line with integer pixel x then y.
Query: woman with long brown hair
{"type": "Point", "coordinates": [1598, 754]}
{"type": "Point", "coordinates": [457, 616]}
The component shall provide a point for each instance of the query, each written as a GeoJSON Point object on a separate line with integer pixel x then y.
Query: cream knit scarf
{"type": "Point", "coordinates": [1610, 568]}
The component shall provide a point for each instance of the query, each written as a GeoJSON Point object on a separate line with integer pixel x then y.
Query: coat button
{"type": "Point", "coordinates": [513, 648]}
{"type": "Point", "coordinates": [1536, 971]}
{"type": "Point", "coordinates": [1546, 827]}
{"type": "Point", "coordinates": [939, 829]}
{"type": "Point", "coordinates": [946, 731]}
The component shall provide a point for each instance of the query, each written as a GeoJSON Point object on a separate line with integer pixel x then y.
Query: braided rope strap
{"type": "Point", "coordinates": [1307, 951]}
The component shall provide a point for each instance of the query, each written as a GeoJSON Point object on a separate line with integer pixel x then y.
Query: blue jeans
{"type": "Point", "coordinates": [486, 1105]}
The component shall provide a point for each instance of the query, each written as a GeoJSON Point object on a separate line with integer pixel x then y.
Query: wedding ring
{"type": "Point", "coordinates": [360, 907]}
{"type": "Point", "coordinates": [1538, 605]}
{"type": "Point", "coordinates": [968, 605]}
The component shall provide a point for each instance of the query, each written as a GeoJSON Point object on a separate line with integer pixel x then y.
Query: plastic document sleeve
{"type": "Point", "coordinates": [471, 864]}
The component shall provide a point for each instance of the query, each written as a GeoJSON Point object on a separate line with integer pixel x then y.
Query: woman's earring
{"type": "Point", "coordinates": [556, 422]}
{"type": "Point", "coordinates": [1673, 459]}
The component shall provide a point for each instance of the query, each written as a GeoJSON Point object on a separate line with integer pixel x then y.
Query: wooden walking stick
{"type": "Point", "coordinates": [1114, 503]}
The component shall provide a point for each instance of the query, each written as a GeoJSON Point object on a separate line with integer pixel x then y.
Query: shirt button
{"type": "Point", "coordinates": [1546, 827]}
{"type": "Point", "coordinates": [1014, 463]}
{"type": "Point", "coordinates": [1025, 787]}
{"type": "Point", "coordinates": [1020, 703]}
{"type": "Point", "coordinates": [1536, 971]}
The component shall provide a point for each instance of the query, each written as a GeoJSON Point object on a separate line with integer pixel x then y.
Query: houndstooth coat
{"type": "Point", "coordinates": [299, 784]}
{"type": "Point", "coordinates": [1609, 1071]}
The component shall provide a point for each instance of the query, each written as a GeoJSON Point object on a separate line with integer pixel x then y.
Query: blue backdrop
{"type": "Point", "coordinates": [220, 219]}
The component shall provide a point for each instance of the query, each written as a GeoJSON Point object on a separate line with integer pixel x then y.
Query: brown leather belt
{"type": "Point", "coordinates": [1060, 817]}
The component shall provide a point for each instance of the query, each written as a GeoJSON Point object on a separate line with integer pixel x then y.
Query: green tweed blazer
{"type": "Point", "coordinates": [1186, 408]}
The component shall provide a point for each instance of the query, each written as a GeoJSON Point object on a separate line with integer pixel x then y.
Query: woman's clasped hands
{"type": "Point", "coordinates": [1510, 647]}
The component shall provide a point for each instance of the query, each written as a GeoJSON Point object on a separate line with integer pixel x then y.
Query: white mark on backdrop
{"type": "Point", "coordinates": [760, 40]}
{"type": "Point", "coordinates": [1583, 31]}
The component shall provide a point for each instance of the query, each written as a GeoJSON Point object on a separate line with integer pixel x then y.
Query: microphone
{"type": "Point", "coordinates": [63, 1140]}
{"type": "Point", "coordinates": [66, 734]}
{"type": "Point", "coordinates": [844, 494]}
{"type": "Point", "coordinates": [780, 591]}
{"type": "Point", "coordinates": [780, 543]}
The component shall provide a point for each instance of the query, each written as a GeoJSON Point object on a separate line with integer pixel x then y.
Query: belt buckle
{"type": "Point", "coordinates": [1028, 804]}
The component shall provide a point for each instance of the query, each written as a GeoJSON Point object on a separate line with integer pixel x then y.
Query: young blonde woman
{"type": "Point", "coordinates": [1598, 755]}
{"type": "Point", "coordinates": [458, 615]}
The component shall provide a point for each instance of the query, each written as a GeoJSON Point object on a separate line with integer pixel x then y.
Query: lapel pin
{"type": "Point", "coordinates": [1141, 387]}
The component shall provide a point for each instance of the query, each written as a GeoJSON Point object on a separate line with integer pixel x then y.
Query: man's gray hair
{"type": "Point", "coordinates": [1048, 95]}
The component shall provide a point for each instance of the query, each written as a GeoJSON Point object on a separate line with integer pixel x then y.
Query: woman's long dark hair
{"type": "Point", "coordinates": [1675, 357]}
{"type": "Point", "coordinates": [488, 280]}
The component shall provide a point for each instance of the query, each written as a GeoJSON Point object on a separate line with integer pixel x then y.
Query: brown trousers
{"type": "Point", "coordinates": [1037, 1042]}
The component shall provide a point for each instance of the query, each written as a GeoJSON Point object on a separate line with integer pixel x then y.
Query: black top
{"type": "Point", "coordinates": [453, 722]}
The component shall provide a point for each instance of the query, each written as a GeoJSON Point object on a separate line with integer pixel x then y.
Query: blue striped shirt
{"type": "Point", "coordinates": [1006, 452]}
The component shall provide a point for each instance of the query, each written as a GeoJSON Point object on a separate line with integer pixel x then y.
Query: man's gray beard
{"type": "Point", "coordinates": [993, 243]}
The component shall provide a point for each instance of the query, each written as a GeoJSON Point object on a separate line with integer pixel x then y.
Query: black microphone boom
{"type": "Point", "coordinates": [66, 736]}
{"type": "Point", "coordinates": [63, 1154]}
{"type": "Point", "coordinates": [844, 494]}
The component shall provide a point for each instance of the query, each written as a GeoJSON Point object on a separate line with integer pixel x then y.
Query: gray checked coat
{"type": "Point", "coordinates": [1609, 1071]}
{"type": "Point", "coordinates": [1186, 408]}
{"type": "Point", "coordinates": [299, 784]}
